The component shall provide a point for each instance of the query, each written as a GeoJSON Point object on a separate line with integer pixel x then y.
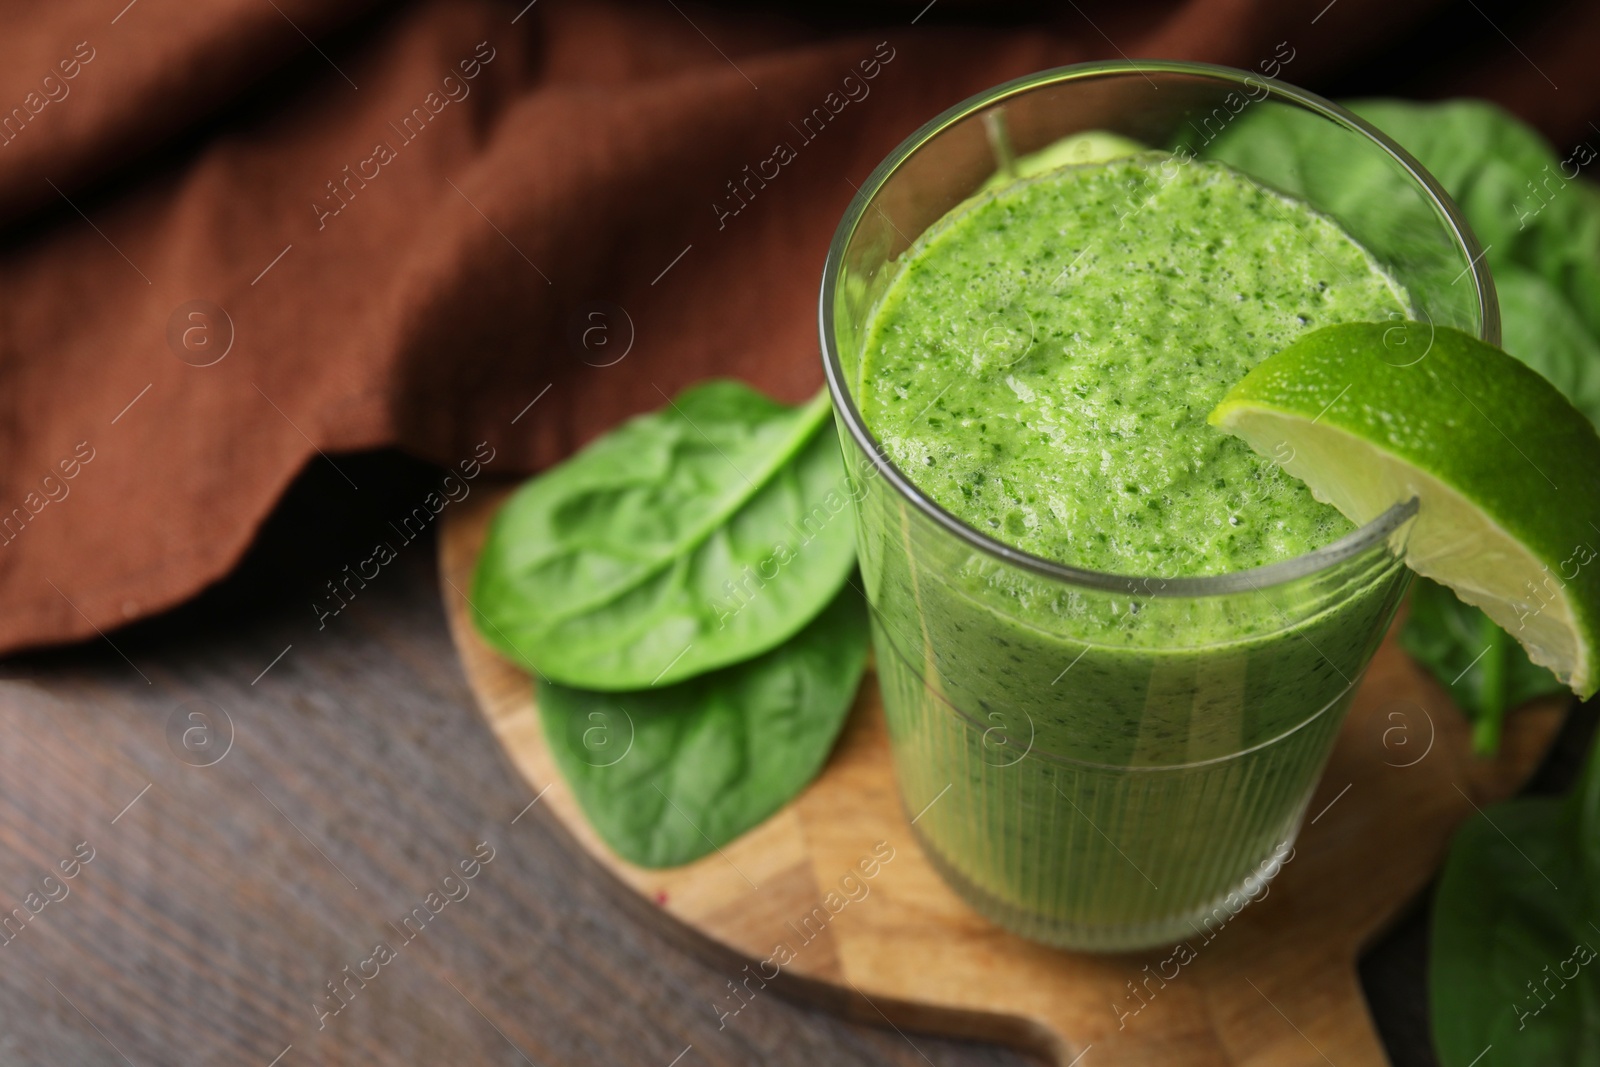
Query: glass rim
{"type": "Point", "coordinates": [1254, 579]}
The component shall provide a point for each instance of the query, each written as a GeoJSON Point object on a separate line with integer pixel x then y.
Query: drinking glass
{"type": "Point", "coordinates": [1107, 761]}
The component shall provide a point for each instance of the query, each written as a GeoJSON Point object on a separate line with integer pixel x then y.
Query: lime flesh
{"type": "Point", "coordinates": [1506, 470]}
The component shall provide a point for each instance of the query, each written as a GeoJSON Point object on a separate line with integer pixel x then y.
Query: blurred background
{"type": "Point", "coordinates": [267, 268]}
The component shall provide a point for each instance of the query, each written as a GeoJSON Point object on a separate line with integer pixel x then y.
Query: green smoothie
{"type": "Point", "coordinates": [1109, 764]}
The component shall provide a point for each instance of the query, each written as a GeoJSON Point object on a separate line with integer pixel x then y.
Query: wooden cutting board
{"type": "Point", "coordinates": [1274, 987]}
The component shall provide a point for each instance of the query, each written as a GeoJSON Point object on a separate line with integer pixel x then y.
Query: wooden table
{"type": "Point", "coordinates": [222, 899]}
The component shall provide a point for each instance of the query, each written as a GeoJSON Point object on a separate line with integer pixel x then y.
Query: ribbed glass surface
{"type": "Point", "coordinates": [1090, 856]}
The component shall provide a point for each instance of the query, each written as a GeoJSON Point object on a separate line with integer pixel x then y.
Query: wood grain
{"type": "Point", "coordinates": [1275, 987]}
{"type": "Point", "coordinates": [215, 911]}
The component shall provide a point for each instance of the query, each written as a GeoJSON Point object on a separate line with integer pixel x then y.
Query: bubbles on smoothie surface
{"type": "Point", "coordinates": [1043, 362]}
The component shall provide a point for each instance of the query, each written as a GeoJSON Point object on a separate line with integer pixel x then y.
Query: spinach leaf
{"type": "Point", "coordinates": [688, 539]}
{"type": "Point", "coordinates": [665, 775]}
{"type": "Point", "coordinates": [1546, 333]}
{"type": "Point", "coordinates": [1483, 666]}
{"type": "Point", "coordinates": [1526, 208]}
{"type": "Point", "coordinates": [1516, 926]}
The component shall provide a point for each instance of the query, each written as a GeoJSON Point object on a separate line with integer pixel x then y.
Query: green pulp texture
{"type": "Point", "coordinates": [1043, 364]}
{"type": "Point", "coordinates": [1097, 765]}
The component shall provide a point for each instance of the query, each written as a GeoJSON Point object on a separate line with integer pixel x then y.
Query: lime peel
{"type": "Point", "coordinates": [1506, 469]}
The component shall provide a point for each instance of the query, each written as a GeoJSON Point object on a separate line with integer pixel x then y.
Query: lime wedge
{"type": "Point", "coordinates": [1507, 472]}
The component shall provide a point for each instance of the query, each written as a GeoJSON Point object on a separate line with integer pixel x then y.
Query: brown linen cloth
{"type": "Point", "coordinates": [247, 235]}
